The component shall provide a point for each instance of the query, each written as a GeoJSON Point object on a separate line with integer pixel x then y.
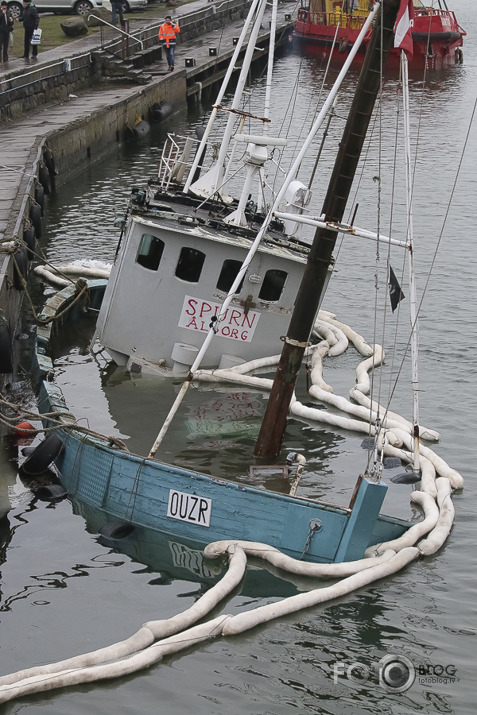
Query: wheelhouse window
{"type": "Point", "coordinates": [189, 265]}
{"type": "Point", "coordinates": [272, 286]}
{"type": "Point", "coordinates": [228, 274]}
{"type": "Point", "coordinates": [150, 251]}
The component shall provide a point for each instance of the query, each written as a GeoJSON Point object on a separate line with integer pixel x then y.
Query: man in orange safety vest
{"type": "Point", "coordinates": [167, 35]}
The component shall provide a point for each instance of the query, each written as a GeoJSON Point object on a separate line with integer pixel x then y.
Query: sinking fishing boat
{"type": "Point", "coordinates": [333, 26]}
{"type": "Point", "coordinates": [157, 271]}
{"type": "Point", "coordinates": [155, 298]}
{"type": "Point", "coordinates": [354, 543]}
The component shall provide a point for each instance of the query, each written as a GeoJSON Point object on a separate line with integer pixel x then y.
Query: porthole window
{"type": "Point", "coordinates": [189, 265]}
{"type": "Point", "coordinates": [228, 274]}
{"type": "Point", "coordinates": [272, 286]}
{"type": "Point", "coordinates": [150, 251]}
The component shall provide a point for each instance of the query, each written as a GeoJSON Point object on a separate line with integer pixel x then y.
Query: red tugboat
{"type": "Point", "coordinates": [333, 26]}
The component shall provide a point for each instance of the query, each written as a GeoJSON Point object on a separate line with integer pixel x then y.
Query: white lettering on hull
{"type": "Point", "coordinates": [196, 315]}
{"type": "Point", "coordinates": [189, 507]}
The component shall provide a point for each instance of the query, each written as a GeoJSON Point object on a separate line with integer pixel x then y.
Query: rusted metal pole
{"type": "Point", "coordinates": [274, 423]}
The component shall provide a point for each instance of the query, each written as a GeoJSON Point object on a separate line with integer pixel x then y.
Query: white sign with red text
{"type": "Point", "coordinates": [196, 315]}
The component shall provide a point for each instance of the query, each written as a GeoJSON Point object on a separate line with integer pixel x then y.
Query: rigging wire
{"type": "Point", "coordinates": [439, 240]}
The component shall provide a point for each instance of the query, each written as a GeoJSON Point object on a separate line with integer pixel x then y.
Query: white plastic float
{"type": "Point", "coordinates": [59, 276]}
{"type": "Point", "coordinates": [157, 639]}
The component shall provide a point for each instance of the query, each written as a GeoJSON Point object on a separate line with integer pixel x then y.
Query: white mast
{"type": "Point", "coordinates": [412, 282]}
{"type": "Point", "coordinates": [268, 90]}
{"type": "Point", "coordinates": [223, 88]}
{"type": "Point", "coordinates": [211, 182]}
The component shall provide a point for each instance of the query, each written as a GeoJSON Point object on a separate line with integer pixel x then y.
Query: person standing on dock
{"type": "Point", "coordinates": [117, 10]}
{"type": "Point", "coordinates": [31, 19]}
{"type": "Point", "coordinates": [6, 27]}
{"type": "Point", "coordinates": [167, 35]}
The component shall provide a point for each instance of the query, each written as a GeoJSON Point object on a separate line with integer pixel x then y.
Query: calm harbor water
{"type": "Point", "coordinates": [62, 592]}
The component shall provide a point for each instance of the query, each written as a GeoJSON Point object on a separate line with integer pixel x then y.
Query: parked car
{"type": "Point", "coordinates": [131, 5]}
{"type": "Point", "coordinates": [128, 5]}
{"type": "Point", "coordinates": [80, 7]}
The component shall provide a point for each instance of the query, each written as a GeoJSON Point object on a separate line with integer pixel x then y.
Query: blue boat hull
{"type": "Point", "coordinates": [184, 503]}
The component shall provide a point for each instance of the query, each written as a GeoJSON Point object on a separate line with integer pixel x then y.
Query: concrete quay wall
{"type": "Point", "coordinates": [24, 91]}
{"type": "Point", "coordinates": [88, 140]}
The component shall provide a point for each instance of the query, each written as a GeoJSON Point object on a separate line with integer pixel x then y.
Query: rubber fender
{"type": "Point", "coordinates": [343, 46]}
{"type": "Point", "coordinates": [26, 451]}
{"type": "Point", "coordinates": [35, 218]}
{"type": "Point", "coordinates": [6, 358]}
{"type": "Point", "coordinates": [44, 179]}
{"type": "Point", "coordinates": [116, 530]}
{"type": "Point", "coordinates": [29, 238]}
{"type": "Point", "coordinates": [43, 455]}
{"type": "Point", "coordinates": [406, 478]}
{"type": "Point", "coordinates": [40, 197]}
{"type": "Point", "coordinates": [129, 133]}
{"type": "Point", "coordinates": [159, 111]}
{"type": "Point", "coordinates": [142, 128]}
{"type": "Point", "coordinates": [51, 492]}
{"type": "Point", "coordinates": [49, 160]}
{"type": "Point", "coordinates": [20, 267]}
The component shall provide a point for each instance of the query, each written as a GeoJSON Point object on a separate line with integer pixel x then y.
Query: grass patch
{"type": "Point", "coordinates": [53, 36]}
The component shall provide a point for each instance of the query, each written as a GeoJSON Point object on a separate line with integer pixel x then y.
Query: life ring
{"type": "Point", "coordinates": [43, 455]}
{"type": "Point", "coordinates": [29, 239]}
{"type": "Point", "coordinates": [40, 198]}
{"type": "Point", "coordinates": [49, 160]}
{"type": "Point", "coordinates": [20, 267]}
{"type": "Point", "coordinates": [35, 218]}
{"type": "Point", "coordinates": [116, 530]}
{"type": "Point", "coordinates": [44, 179]}
{"type": "Point", "coordinates": [6, 357]}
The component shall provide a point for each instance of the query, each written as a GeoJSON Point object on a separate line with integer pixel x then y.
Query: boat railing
{"type": "Point", "coordinates": [431, 11]}
{"type": "Point", "coordinates": [437, 20]}
{"type": "Point", "coordinates": [176, 158]}
{"type": "Point", "coordinates": [331, 19]}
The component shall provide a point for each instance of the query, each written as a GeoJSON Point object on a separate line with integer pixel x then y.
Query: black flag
{"type": "Point", "coordinates": [395, 292]}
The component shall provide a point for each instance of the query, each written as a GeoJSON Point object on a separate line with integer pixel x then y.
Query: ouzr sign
{"type": "Point", "coordinates": [189, 507]}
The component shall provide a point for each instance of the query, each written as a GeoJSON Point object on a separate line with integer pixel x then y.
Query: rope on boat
{"type": "Point", "coordinates": [57, 420]}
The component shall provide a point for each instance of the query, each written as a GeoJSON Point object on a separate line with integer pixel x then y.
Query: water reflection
{"type": "Point", "coordinates": [286, 666]}
{"type": "Point", "coordinates": [41, 583]}
{"type": "Point", "coordinates": [173, 559]}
